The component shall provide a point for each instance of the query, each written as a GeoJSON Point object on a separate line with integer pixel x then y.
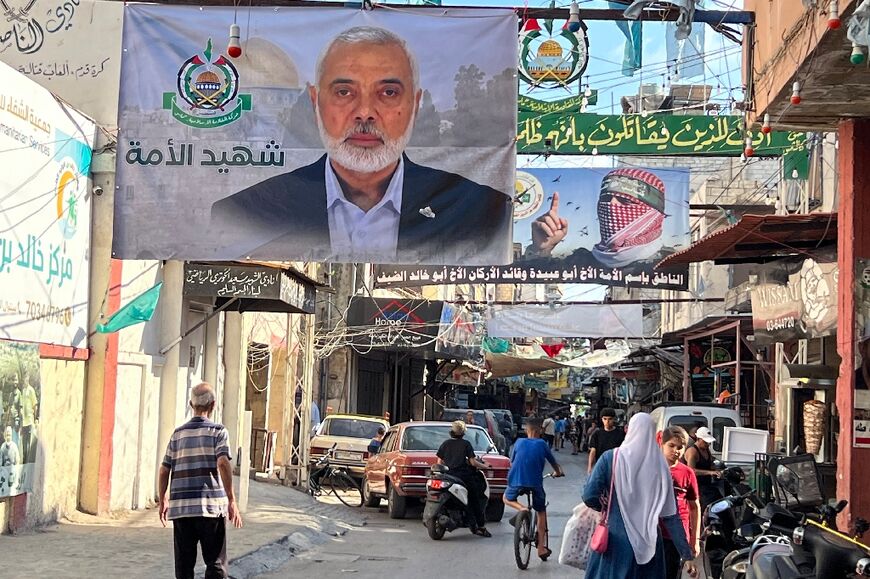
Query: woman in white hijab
{"type": "Point", "coordinates": [643, 497]}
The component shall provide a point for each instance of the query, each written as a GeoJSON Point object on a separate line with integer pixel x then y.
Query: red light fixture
{"type": "Point", "coordinates": [749, 150]}
{"type": "Point", "coordinates": [234, 48]}
{"type": "Point", "coordinates": [833, 15]}
{"type": "Point", "coordinates": [796, 93]}
{"type": "Point", "coordinates": [765, 127]}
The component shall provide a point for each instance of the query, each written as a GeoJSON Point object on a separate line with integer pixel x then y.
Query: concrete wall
{"type": "Point", "coordinates": [135, 452]}
{"type": "Point", "coordinates": [55, 492]}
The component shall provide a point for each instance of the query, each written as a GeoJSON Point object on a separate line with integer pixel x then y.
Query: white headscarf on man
{"type": "Point", "coordinates": [644, 486]}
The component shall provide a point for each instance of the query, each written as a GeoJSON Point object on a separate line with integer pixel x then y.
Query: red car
{"type": "Point", "coordinates": [400, 470]}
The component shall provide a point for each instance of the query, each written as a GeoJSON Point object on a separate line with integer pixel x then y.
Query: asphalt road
{"type": "Point", "coordinates": [402, 548]}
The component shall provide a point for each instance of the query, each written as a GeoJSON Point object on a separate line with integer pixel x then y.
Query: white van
{"type": "Point", "coordinates": [693, 415]}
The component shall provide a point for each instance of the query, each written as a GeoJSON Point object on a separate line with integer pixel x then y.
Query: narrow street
{"type": "Point", "coordinates": [388, 548]}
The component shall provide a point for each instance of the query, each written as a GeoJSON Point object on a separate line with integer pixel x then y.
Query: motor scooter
{"type": "Point", "coordinates": [446, 503]}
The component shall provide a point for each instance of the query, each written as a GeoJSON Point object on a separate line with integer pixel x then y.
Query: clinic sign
{"type": "Point", "coordinates": [46, 215]}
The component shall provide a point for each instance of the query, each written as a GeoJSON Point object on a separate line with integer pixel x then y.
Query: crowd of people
{"type": "Point", "coordinates": [667, 475]}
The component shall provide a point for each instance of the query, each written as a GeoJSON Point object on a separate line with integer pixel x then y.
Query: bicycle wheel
{"type": "Point", "coordinates": [345, 489]}
{"type": "Point", "coordinates": [523, 540]}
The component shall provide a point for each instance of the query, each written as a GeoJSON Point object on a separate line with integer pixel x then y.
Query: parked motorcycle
{"type": "Point", "coordinates": [446, 503]}
{"type": "Point", "coordinates": [814, 551]}
{"type": "Point", "coordinates": [730, 524]}
{"type": "Point", "coordinates": [799, 544]}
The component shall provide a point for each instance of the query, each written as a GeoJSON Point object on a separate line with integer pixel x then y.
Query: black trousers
{"type": "Point", "coordinates": [476, 485]}
{"type": "Point", "coordinates": [211, 534]}
{"type": "Point", "coordinates": [672, 560]}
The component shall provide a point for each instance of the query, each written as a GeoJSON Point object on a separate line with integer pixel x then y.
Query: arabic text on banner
{"type": "Point", "coordinates": [616, 225]}
{"type": "Point", "coordinates": [45, 215]}
{"type": "Point", "coordinates": [35, 39]}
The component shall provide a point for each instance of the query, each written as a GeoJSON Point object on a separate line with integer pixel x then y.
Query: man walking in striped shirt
{"type": "Point", "coordinates": [201, 495]}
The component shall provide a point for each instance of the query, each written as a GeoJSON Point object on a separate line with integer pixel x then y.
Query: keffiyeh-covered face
{"type": "Point", "coordinates": [630, 209]}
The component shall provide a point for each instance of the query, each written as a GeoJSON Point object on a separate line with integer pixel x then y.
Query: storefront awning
{"type": "Point", "coordinates": [759, 239]}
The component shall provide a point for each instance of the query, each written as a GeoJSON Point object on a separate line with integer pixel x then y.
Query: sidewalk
{"type": "Point", "coordinates": [280, 522]}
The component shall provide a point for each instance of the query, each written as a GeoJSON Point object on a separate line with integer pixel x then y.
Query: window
{"type": "Point", "coordinates": [451, 414]}
{"type": "Point", "coordinates": [688, 422]}
{"type": "Point", "coordinates": [389, 440]}
{"type": "Point", "coordinates": [720, 423]}
{"type": "Point", "coordinates": [352, 428]}
{"type": "Point", "coordinates": [418, 438]}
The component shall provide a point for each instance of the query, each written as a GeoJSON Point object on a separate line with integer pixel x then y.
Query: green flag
{"type": "Point", "coordinates": [139, 310]}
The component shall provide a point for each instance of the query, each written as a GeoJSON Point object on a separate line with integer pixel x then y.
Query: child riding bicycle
{"type": "Point", "coordinates": [528, 458]}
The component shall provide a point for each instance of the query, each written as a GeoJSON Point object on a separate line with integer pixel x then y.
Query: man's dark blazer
{"type": "Point", "coordinates": [285, 217]}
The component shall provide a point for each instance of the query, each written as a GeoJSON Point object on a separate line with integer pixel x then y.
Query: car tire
{"type": "Point", "coordinates": [494, 511]}
{"type": "Point", "coordinates": [397, 505]}
{"type": "Point", "coordinates": [369, 500]}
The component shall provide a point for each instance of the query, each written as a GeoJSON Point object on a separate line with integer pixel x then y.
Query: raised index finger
{"type": "Point", "coordinates": [554, 204]}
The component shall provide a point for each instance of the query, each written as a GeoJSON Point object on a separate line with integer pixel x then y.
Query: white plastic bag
{"type": "Point", "coordinates": [575, 549]}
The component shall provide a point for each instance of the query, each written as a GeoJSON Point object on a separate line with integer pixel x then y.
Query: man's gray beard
{"type": "Point", "coordinates": [362, 159]}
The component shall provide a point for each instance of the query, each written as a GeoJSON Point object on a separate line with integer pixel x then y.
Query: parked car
{"type": "Point", "coordinates": [483, 418]}
{"type": "Point", "coordinates": [693, 415]}
{"type": "Point", "coordinates": [399, 471]}
{"type": "Point", "coordinates": [351, 433]}
{"type": "Point", "coordinates": [506, 424]}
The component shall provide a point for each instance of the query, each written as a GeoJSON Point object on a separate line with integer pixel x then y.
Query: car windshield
{"type": "Point", "coordinates": [351, 427]}
{"type": "Point", "coordinates": [431, 437]}
{"type": "Point", "coordinates": [457, 414]}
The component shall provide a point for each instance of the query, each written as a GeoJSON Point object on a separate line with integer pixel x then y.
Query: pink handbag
{"type": "Point", "coordinates": [600, 535]}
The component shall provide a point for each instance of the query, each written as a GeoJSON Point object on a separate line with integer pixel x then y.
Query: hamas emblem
{"type": "Point", "coordinates": [528, 195]}
{"type": "Point", "coordinates": [207, 92]}
{"type": "Point", "coordinates": [551, 59]}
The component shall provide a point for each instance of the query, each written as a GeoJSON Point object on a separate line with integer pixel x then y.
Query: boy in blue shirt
{"type": "Point", "coordinates": [528, 458]}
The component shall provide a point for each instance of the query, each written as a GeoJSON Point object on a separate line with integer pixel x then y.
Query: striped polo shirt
{"type": "Point", "coordinates": [195, 489]}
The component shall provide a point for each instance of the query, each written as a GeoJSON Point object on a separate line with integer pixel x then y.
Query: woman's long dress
{"type": "Point", "coordinates": [618, 561]}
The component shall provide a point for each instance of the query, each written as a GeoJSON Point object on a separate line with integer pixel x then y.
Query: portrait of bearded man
{"type": "Point", "coordinates": [365, 200]}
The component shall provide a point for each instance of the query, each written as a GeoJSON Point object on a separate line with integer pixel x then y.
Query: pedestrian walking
{"type": "Point", "coordinates": [639, 474]}
{"type": "Point", "coordinates": [578, 435]}
{"type": "Point", "coordinates": [606, 438]}
{"type": "Point", "coordinates": [549, 431]}
{"type": "Point", "coordinates": [201, 496]}
{"type": "Point", "coordinates": [674, 440]}
{"type": "Point", "coordinates": [561, 423]}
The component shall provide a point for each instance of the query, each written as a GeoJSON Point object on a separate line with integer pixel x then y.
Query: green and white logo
{"type": "Point", "coordinates": [550, 58]}
{"type": "Point", "coordinates": [207, 92]}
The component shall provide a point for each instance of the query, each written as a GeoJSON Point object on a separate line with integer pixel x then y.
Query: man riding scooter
{"type": "Point", "coordinates": [458, 456]}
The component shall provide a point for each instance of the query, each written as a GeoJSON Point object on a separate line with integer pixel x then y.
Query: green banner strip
{"type": "Point", "coordinates": [689, 135]}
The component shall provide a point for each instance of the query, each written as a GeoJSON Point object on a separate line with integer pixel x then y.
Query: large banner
{"type": "Point", "coordinates": [45, 215]}
{"type": "Point", "coordinates": [569, 321]}
{"type": "Point", "coordinates": [71, 47]}
{"type": "Point", "coordinates": [797, 299]}
{"type": "Point", "coordinates": [339, 134]}
{"type": "Point", "coordinates": [20, 395]}
{"type": "Point", "coordinates": [605, 226]}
